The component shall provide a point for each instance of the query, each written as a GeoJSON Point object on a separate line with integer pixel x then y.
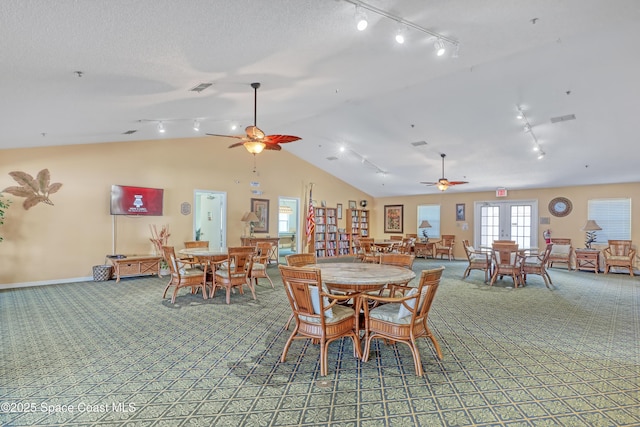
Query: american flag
{"type": "Point", "coordinates": [311, 218]}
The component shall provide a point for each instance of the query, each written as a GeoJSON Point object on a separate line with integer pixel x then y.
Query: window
{"type": "Point", "coordinates": [283, 223]}
{"type": "Point", "coordinates": [430, 213]}
{"type": "Point", "coordinates": [613, 216]}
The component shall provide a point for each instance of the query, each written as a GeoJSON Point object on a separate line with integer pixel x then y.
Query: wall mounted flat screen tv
{"type": "Point", "coordinates": [128, 200]}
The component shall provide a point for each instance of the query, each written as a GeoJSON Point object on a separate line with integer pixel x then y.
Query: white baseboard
{"type": "Point", "coordinates": [45, 282]}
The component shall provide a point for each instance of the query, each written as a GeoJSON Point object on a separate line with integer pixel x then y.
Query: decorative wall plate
{"type": "Point", "coordinates": [560, 206]}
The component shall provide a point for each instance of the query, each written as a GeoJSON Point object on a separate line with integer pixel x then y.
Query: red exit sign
{"type": "Point", "coordinates": [501, 192]}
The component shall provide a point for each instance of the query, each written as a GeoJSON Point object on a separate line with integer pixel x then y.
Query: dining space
{"type": "Point", "coordinates": [506, 259]}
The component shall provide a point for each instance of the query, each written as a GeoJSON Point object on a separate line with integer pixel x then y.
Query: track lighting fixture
{"type": "Point", "coordinates": [196, 125]}
{"type": "Point", "coordinates": [161, 128]}
{"type": "Point", "coordinates": [361, 24]}
{"type": "Point", "coordinates": [528, 129]}
{"type": "Point", "coordinates": [361, 19]}
{"type": "Point", "coordinates": [400, 35]}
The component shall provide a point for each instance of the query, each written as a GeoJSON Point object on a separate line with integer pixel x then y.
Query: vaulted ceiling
{"type": "Point", "coordinates": [85, 71]}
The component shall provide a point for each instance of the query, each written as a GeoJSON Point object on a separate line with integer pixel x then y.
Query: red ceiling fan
{"type": "Point", "coordinates": [255, 141]}
{"type": "Point", "coordinates": [443, 183]}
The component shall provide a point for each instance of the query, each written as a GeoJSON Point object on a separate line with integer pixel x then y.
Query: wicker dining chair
{"type": "Point", "coordinates": [506, 262]}
{"type": "Point", "coordinates": [445, 246]}
{"type": "Point", "coordinates": [317, 315]}
{"type": "Point", "coordinates": [477, 261]}
{"type": "Point", "coordinates": [182, 277]}
{"type": "Point", "coordinates": [236, 272]}
{"type": "Point", "coordinates": [537, 264]}
{"type": "Point", "coordinates": [298, 260]}
{"type": "Point", "coordinates": [260, 263]}
{"type": "Point", "coordinates": [403, 319]}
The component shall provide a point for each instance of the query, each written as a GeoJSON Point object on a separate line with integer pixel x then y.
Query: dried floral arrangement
{"type": "Point", "coordinates": [159, 238]}
{"type": "Point", "coordinates": [4, 204]}
{"type": "Point", "coordinates": [35, 190]}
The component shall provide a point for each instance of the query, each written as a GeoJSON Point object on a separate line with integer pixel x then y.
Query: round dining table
{"type": "Point", "coordinates": [209, 254]}
{"type": "Point", "coordinates": [358, 278]}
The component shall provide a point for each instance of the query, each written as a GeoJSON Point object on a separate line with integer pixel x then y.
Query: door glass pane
{"type": "Point", "coordinates": [521, 225]}
{"type": "Point", "coordinates": [489, 225]}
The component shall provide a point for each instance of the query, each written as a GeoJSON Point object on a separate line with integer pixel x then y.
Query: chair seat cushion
{"type": "Point", "coordinates": [258, 266]}
{"type": "Point", "coordinates": [560, 250]}
{"type": "Point", "coordinates": [389, 313]}
{"type": "Point", "coordinates": [619, 258]}
{"type": "Point", "coordinates": [191, 273]}
{"type": "Point", "coordinates": [225, 274]}
{"type": "Point", "coordinates": [533, 263]}
{"type": "Point", "coordinates": [340, 312]}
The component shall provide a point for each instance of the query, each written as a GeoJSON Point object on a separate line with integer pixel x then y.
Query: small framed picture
{"type": "Point", "coordinates": [460, 212]}
{"type": "Point", "coordinates": [352, 204]}
{"type": "Point", "coordinates": [339, 209]}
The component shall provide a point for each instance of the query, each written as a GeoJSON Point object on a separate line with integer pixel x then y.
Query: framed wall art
{"type": "Point", "coordinates": [261, 208]}
{"type": "Point", "coordinates": [393, 218]}
{"type": "Point", "coordinates": [339, 209]}
{"type": "Point", "coordinates": [460, 212]}
{"type": "Point", "coordinates": [352, 204]}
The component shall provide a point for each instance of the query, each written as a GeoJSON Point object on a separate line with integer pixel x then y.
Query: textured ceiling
{"type": "Point", "coordinates": [337, 87]}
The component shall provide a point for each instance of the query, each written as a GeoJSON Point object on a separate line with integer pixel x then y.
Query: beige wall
{"type": "Point", "coordinates": [63, 242]}
{"type": "Point", "coordinates": [568, 226]}
{"type": "Point", "coordinates": [48, 244]}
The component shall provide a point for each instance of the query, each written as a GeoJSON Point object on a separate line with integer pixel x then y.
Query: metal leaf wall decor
{"type": "Point", "coordinates": [34, 190]}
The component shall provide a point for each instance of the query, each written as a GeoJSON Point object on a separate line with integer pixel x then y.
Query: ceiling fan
{"type": "Point", "coordinates": [443, 183]}
{"type": "Point", "coordinates": [255, 141]}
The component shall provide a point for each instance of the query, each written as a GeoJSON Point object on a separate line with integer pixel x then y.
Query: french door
{"type": "Point", "coordinates": [512, 220]}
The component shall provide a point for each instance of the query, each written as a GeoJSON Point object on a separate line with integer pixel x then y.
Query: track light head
{"type": "Point", "coordinates": [400, 36]}
{"type": "Point", "coordinates": [196, 125]}
{"type": "Point", "coordinates": [161, 128]}
{"type": "Point", "coordinates": [361, 19]}
{"type": "Point", "coordinates": [439, 46]}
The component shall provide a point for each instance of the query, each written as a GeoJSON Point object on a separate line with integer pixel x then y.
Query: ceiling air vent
{"type": "Point", "coordinates": [563, 118]}
{"type": "Point", "coordinates": [332, 158]}
{"type": "Point", "coordinates": [201, 87]}
{"type": "Point", "coordinates": [129, 132]}
{"type": "Point", "coordinates": [419, 143]}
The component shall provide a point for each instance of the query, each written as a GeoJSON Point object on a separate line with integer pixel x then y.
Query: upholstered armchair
{"type": "Point", "coordinates": [619, 254]}
{"type": "Point", "coordinates": [561, 251]}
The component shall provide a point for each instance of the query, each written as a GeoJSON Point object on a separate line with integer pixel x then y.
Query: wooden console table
{"type": "Point", "coordinates": [588, 259]}
{"type": "Point", "coordinates": [136, 265]}
{"type": "Point", "coordinates": [252, 241]}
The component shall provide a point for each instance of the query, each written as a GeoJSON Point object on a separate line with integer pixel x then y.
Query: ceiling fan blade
{"type": "Point", "coordinates": [275, 147]}
{"type": "Point", "coordinates": [237, 144]}
{"type": "Point", "coordinates": [280, 139]}
{"type": "Point", "coordinates": [226, 136]}
{"type": "Point", "coordinates": [429, 183]}
{"type": "Point", "coordinates": [458, 182]}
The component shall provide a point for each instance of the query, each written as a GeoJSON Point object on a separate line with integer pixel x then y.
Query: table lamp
{"type": "Point", "coordinates": [424, 225]}
{"type": "Point", "coordinates": [590, 227]}
{"type": "Point", "coordinates": [250, 218]}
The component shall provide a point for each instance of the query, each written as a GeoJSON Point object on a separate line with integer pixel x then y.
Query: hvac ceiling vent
{"type": "Point", "coordinates": [129, 132]}
{"type": "Point", "coordinates": [419, 143]}
{"type": "Point", "coordinates": [332, 158]}
{"type": "Point", "coordinates": [201, 87]}
{"type": "Point", "coordinates": [563, 118]}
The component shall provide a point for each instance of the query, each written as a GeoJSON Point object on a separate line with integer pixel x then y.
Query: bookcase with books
{"type": "Point", "coordinates": [325, 242]}
{"type": "Point", "coordinates": [357, 226]}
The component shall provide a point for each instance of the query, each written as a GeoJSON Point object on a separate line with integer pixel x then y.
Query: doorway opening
{"type": "Point", "coordinates": [210, 217]}
{"type": "Point", "coordinates": [288, 226]}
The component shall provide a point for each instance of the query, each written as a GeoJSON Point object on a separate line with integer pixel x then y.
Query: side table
{"type": "Point", "coordinates": [136, 265]}
{"type": "Point", "coordinates": [588, 260]}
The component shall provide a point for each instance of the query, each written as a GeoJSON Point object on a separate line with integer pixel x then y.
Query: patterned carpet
{"type": "Point", "coordinates": [100, 353]}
